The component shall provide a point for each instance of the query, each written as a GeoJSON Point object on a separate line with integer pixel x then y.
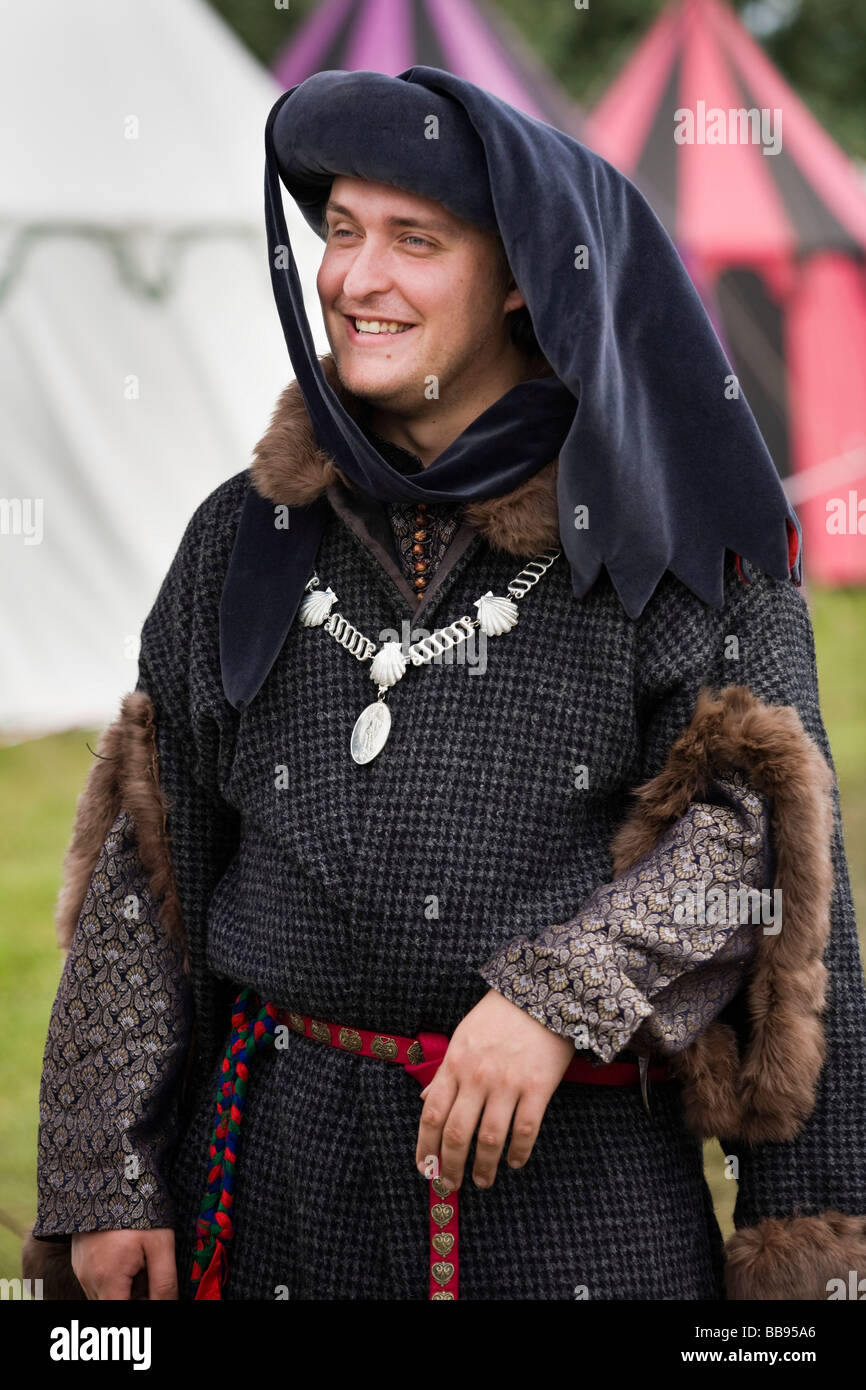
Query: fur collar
{"type": "Point", "coordinates": [289, 467]}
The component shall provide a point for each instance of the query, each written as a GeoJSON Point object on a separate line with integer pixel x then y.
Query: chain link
{"type": "Point", "coordinates": [520, 586]}
{"type": "Point", "coordinates": [444, 638]}
{"type": "Point", "coordinates": [349, 637]}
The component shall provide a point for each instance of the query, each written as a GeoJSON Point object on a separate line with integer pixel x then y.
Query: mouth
{"type": "Point", "coordinates": [376, 330]}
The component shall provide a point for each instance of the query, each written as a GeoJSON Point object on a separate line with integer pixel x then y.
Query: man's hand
{"type": "Point", "coordinates": [500, 1061]}
{"type": "Point", "coordinates": [116, 1264]}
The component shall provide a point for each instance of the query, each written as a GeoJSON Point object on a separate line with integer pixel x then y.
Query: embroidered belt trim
{"type": "Point", "coordinates": [254, 1026]}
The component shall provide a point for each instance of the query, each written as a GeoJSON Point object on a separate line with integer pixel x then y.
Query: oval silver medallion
{"type": "Point", "coordinates": [371, 731]}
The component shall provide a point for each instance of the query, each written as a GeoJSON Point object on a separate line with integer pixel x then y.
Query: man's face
{"type": "Point", "coordinates": [394, 257]}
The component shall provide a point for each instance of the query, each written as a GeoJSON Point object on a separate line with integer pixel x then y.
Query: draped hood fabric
{"type": "Point", "coordinates": [661, 463]}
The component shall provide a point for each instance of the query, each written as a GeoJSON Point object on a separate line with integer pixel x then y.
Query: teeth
{"type": "Point", "coordinates": [380, 326]}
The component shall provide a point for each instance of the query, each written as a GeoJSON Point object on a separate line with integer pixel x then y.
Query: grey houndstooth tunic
{"type": "Point", "coordinates": [317, 894]}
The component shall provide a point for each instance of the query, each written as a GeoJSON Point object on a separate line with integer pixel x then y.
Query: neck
{"type": "Point", "coordinates": [429, 433]}
{"type": "Point", "coordinates": [289, 468]}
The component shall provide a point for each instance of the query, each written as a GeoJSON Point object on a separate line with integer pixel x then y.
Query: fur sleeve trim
{"type": "Point", "coordinates": [769, 1091]}
{"type": "Point", "coordinates": [125, 775]}
{"type": "Point", "coordinates": [798, 1257]}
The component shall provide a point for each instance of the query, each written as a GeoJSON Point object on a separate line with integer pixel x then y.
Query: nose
{"type": "Point", "coordinates": [367, 274]}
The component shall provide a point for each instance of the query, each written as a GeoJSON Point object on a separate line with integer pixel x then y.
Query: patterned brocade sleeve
{"type": "Point", "coordinates": [654, 956]}
{"type": "Point", "coordinates": [118, 1036]}
{"type": "Point", "coordinates": [152, 835]}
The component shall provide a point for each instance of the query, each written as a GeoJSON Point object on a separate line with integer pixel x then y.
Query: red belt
{"type": "Point", "coordinates": [253, 1027]}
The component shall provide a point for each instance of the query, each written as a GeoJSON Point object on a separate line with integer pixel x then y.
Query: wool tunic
{"type": "Point", "coordinates": [378, 896]}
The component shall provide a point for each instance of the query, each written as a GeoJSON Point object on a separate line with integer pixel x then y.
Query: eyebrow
{"type": "Point", "coordinates": [427, 224]}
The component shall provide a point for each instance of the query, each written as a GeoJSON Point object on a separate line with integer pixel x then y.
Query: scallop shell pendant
{"type": "Point", "coordinates": [495, 615]}
{"type": "Point", "coordinates": [388, 664]}
{"type": "Point", "coordinates": [371, 731]}
{"type": "Point", "coordinates": [316, 607]}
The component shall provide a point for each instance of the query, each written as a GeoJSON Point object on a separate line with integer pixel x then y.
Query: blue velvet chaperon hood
{"type": "Point", "coordinates": [661, 463]}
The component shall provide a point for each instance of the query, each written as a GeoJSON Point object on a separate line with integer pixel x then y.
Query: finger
{"type": "Point", "coordinates": [119, 1261]}
{"type": "Point", "coordinates": [161, 1267]}
{"type": "Point", "coordinates": [104, 1264]}
{"type": "Point", "coordinates": [492, 1133]}
{"type": "Point", "coordinates": [113, 1284]}
{"type": "Point", "coordinates": [82, 1272]}
{"type": "Point", "coordinates": [457, 1133]}
{"type": "Point", "coordinates": [441, 1094]}
{"type": "Point", "coordinates": [524, 1131]}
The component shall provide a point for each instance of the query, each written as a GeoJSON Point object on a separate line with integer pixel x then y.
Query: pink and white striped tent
{"type": "Point", "coordinates": [468, 37]}
{"type": "Point", "coordinates": [775, 244]}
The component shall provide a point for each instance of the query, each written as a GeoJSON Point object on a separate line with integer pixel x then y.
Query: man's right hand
{"type": "Point", "coordinates": [106, 1263]}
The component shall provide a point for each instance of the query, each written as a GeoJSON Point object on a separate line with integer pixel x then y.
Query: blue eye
{"type": "Point", "coordinates": [339, 232]}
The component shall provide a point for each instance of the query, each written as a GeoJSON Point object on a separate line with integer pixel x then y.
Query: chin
{"type": "Point", "coordinates": [375, 380]}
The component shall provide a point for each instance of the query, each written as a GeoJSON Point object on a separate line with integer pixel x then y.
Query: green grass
{"type": "Point", "coordinates": [39, 785]}
{"type": "Point", "coordinates": [40, 782]}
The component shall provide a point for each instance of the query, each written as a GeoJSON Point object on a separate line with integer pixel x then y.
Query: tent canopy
{"type": "Point", "coordinates": [774, 241]}
{"type": "Point", "coordinates": [140, 354]}
{"type": "Point", "coordinates": [470, 38]}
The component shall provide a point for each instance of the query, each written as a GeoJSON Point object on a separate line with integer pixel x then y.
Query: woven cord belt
{"type": "Point", "coordinates": [254, 1025]}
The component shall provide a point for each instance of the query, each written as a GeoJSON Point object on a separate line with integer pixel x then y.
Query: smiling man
{"type": "Point", "coordinates": [318, 867]}
{"type": "Point", "coordinates": [409, 293]}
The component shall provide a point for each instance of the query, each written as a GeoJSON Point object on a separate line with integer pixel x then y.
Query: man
{"type": "Point", "coordinates": [463, 889]}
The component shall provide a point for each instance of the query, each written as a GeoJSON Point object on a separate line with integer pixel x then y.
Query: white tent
{"type": "Point", "coordinates": [140, 349]}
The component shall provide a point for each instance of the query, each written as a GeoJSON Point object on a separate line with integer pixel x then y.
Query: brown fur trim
{"type": "Point", "coordinates": [769, 1092]}
{"type": "Point", "coordinates": [523, 521]}
{"type": "Point", "coordinates": [795, 1256]}
{"type": "Point", "coordinates": [288, 467]}
{"type": "Point", "coordinates": [51, 1261]}
{"type": "Point", "coordinates": [124, 777]}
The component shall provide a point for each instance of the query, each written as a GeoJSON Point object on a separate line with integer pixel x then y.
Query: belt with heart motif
{"type": "Point", "coordinates": [254, 1027]}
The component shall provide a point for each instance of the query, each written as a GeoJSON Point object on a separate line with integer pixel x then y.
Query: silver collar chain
{"type": "Point", "coordinates": [495, 615]}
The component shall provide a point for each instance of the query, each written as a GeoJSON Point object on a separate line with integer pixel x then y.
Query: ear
{"type": "Point", "coordinates": [514, 299]}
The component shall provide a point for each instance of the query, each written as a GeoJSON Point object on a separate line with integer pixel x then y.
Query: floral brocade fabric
{"type": "Point", "coordinates": [441, 524]}
{"type": "Point", "coordinates": [653, 957]}
{"type": "Point", "coordinates": [117, 1039]}
{"type": "Point", "coordinates": [442, 519]}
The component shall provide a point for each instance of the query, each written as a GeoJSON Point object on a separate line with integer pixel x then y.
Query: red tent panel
{"type": "Point", "coordinates": [826, 353]}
